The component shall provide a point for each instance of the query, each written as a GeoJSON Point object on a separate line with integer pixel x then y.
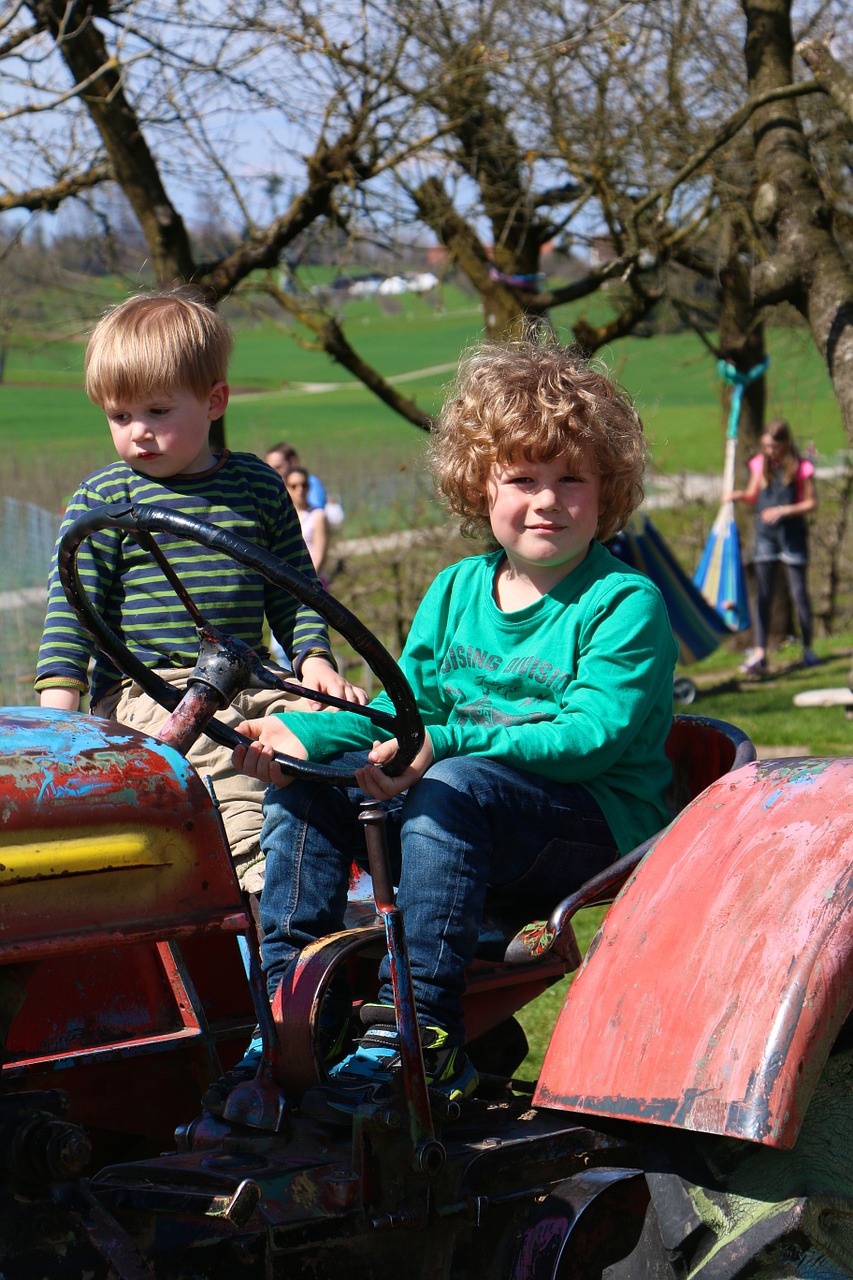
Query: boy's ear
{"type": "Point", "coordinates": [218, 401]}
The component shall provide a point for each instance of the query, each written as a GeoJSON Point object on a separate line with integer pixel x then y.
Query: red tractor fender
{"type": "Point", "coordinates": [716, 987]}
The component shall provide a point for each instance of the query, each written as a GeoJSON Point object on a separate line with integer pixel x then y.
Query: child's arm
{"type": "Point", "coordinates": [618, 674]}
{"type": "Point", "coordinates": [752, 490]}
{"type": "Point", "coordinates": [61, 698]}
{"type": "Point", "coordinates": [806, 503]}
{"type": "Point", "coordinates": [62, 672]}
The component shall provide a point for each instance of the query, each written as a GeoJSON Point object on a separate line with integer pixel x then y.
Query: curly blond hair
{"type": "Point", "coordinates": [164, 341]}
{"type": "Point", "coordinates": [534, 398]}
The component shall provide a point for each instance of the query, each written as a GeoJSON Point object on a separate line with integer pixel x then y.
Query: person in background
{"type": "Point", "coordinates": [281, 457]}
{"type": "Point", "coordinates": [157, 365]}
{"type": "Point", "coordinates": [315, 529]}
{"type": "Point", "coordinates": [782, 490]}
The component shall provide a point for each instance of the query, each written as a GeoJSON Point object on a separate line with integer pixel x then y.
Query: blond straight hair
{"type": "Point", "coordinates": [165, 341]}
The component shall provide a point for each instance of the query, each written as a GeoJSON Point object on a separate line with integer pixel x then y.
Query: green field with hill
{"type": "Point", "coordinates": [282, 389]}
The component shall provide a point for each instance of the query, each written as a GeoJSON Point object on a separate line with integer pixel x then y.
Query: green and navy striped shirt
{"type": "Point", "coordinates": [241, 494]}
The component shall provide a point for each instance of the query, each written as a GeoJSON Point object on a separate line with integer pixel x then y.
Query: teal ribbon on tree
{"type": "Point", "coordinates": [739, 382]}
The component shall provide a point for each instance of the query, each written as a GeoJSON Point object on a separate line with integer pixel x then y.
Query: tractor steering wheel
{"type": "Point", "coordinates": [226, 653]}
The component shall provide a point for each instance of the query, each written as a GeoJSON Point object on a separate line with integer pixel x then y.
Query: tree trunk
{"type": "Point", "coordinates": [741, 336]}
{"type": "Point", "coordinates": [84, 51]}
{"type": "Point", "coordinates": [502, 310]}
{"type": "Point", "coordinates": [804, 265]}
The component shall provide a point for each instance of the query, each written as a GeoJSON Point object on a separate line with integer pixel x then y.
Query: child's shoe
{"type": "Point", "coordinates": [754, 666]}
{"type": "Point", "coordinates": [810, 658]}
{"type": "Point", "coordinates": [368, 1075]}
{"type": "Point", "coordinates": [216, 1094]}
{"type": "Point", "coordinates": [448, 1068]}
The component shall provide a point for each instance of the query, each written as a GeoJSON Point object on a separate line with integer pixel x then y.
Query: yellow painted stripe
{"type": "Point", "coordinates": [80, 854]}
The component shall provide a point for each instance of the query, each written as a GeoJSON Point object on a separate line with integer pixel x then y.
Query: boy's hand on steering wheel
{"type": "Point", "coordinates": [377, 784]}
{"type": "Point", "coordinates": [321, 675]}
{"type": "Point", "coordinates": [268, 734]}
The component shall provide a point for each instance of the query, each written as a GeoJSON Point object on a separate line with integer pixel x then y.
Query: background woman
{"type": "Point", "coordinates": [782, 490]}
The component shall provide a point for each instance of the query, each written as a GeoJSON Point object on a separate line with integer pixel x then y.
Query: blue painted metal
{"type": "Point", "coordinates": [107, 836]}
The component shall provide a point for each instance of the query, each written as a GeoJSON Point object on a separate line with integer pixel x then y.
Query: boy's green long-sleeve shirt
{"type": "Point", "coordinates": [576, 687]}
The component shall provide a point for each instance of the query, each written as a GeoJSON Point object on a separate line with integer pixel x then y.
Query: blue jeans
{"type": "Point", "coordinates": [469, 825]}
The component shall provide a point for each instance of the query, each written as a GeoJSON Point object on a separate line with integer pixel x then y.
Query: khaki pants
{"type": "Point", "coordinates": [238, 796]}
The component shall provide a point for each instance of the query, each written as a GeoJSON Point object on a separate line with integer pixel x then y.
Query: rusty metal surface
{"type": "Point", "coordinates": [354, 953]}
{"type": "Point", "coordinates": [724, 970]}
{"type": "Point", "coordinates": [132, 1034]}
{"type": "Point", "coordinates": [589, 1221]}
{"type": "Point", "coordinates": [106, 836]}
{"type": "Point", "coordinates": [331, 1196]}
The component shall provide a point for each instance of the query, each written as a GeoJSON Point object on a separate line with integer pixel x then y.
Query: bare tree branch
{"type": "Point", "coordinates": [50, 198]}
{"type": "Point", "coordinates": [335, 344]}
{"type": "Point", "coordinates": [829, 73]}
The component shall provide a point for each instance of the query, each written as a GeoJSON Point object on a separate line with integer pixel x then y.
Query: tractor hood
{"type": "Point", "coordinates": [105, 834]}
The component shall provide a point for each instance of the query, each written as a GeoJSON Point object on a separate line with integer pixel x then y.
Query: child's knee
{"type": "Point", "coordinates": [458, 772]}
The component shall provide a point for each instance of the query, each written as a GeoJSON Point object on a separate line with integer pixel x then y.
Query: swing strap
{"type": "Point", "coordinates": [739, 381]}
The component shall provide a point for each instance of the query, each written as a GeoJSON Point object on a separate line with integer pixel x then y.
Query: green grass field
{"type": "Point", "coordinates": [281, 389]}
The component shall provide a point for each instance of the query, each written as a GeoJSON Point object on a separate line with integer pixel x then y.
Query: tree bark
{"type": "Point", "coordinates": [829, 73]}
{"type": "Point", "coordinates": [503, 311]}
{"type": "Point", "coordinates": [804, 265]}
{"type": "Point", "coordinates": [741, 335]}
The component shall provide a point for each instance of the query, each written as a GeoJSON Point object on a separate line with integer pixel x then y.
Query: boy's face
{"type": "Point", "coordinates": [544, 515]}
{"type": "Point", "coordinates": [166, 434]}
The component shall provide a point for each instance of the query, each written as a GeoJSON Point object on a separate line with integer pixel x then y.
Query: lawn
{"type": "Point", "coordinates": [282, 389]}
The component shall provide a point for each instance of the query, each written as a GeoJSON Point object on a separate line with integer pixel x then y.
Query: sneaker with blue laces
{"type": "Point", "coordinates": [810, 658]}
{"type": "Point", "coordinates": [369, 1074]}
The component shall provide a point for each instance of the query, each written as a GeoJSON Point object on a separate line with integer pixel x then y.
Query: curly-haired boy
{"type": "Point", "coordinates": [543, 672]}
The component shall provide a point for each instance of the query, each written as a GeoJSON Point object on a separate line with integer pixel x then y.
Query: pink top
{"type": "Point", "coordinates": [804, 470]}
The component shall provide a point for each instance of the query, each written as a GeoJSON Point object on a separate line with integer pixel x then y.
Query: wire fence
{"type": "Point", "coordinates": [27, 537]}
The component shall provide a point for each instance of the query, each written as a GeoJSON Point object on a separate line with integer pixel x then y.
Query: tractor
{"type": "Point", "coordinates": [694, 1112]}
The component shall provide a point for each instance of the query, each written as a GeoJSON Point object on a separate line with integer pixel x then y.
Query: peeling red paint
{"type": "Point", "coordinates": [729, 958]}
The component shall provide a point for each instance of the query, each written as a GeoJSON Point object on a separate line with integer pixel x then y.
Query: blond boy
{"type": "Point", "coordinates": [157, 365]}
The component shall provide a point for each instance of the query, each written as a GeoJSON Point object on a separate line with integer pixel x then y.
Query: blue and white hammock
{"type": "Point", "coordinates": [720, 575]}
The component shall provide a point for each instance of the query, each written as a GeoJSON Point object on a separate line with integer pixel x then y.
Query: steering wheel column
{"type": "Point", "coordinates": [225, 667]}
